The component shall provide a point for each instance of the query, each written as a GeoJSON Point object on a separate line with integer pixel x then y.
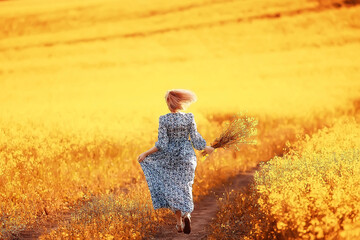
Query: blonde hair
{"type": "Point", "coordinates": [179, 99]}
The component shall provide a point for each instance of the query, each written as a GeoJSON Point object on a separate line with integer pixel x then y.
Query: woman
{"type": "Point", "coordinates": [169, 166]}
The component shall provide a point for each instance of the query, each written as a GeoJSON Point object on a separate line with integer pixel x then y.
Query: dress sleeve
{"type": "Point", "coordinates": [163, 139]}
{"type": "Point", "coordinates": [197, 140]}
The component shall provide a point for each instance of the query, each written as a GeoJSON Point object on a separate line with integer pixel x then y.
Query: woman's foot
{"type": "Point", "coordinates": [179, 222]}
{"type": "Point", "coordinates": [187, 224]}
{"type": "Point", "coordinates": [180, 227]}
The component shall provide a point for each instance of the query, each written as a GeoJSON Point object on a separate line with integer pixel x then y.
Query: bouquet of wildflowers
{"type": "Point", "coordinates": [240, 130]}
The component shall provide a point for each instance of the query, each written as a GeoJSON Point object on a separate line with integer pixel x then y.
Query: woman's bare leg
{"type": "Point", "coordinates": [178, 217]}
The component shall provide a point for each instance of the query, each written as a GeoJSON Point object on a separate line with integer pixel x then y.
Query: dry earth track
{"type": "Point", "coordinates": [205, 210]}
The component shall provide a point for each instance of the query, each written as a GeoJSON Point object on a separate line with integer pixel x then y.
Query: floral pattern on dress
{"type": "Point", "coordinates": [170, 171]}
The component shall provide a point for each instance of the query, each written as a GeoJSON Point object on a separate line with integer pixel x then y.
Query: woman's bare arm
{"type": "Point", "coordinates": [151, 150]}
{"type": "Point", "coordinates": [144, 154]}
{"type": "Point", "coordinates": [209, 149]}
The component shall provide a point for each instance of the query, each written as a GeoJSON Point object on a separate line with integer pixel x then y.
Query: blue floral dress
{"type": "Point", "coordinates": [170, 171]}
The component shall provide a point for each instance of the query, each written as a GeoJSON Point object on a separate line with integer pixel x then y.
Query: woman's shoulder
{"type": "Point", "coordinates": [181, 113]}
{"type": "Point", "coordinates": [190, 115]}
{"type": "Point", "coordinates": [168, 116]}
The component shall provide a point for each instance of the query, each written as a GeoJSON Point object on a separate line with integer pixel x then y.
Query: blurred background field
{"type": "Point", "coordinates": [82, 85]}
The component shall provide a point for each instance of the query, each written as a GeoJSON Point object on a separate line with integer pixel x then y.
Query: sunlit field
{"type": "Point", "coordinates": [82, 86]}
{"type": "Point", "coordinates": [309, 193]}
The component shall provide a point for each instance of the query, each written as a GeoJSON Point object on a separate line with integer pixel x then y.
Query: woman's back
{"type": "Point", "coordinates": [174, 131]}
{"type": "Point", "coordinates": [177, 125]}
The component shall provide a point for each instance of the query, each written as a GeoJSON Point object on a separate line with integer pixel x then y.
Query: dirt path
{"type": "Point", "coordinates": [205, 210]}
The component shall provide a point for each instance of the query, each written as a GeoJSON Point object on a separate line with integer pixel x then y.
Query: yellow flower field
{"type": "Point", "coordinates": [313, 191]}
{"type": "Point", "coordinates": [309, 193]}
{"type": "Point", "coordinates": [82, 85]}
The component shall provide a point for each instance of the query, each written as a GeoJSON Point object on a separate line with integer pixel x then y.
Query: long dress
{"type": "Point", "coordinates": [170, 171]}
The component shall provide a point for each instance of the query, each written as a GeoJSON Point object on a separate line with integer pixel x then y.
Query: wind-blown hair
{"type": "Point", "coordinates": [179, 99]}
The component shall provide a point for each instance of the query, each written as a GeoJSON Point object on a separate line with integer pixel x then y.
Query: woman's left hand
{"type": "Point", "coordinates": [142, 157]}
